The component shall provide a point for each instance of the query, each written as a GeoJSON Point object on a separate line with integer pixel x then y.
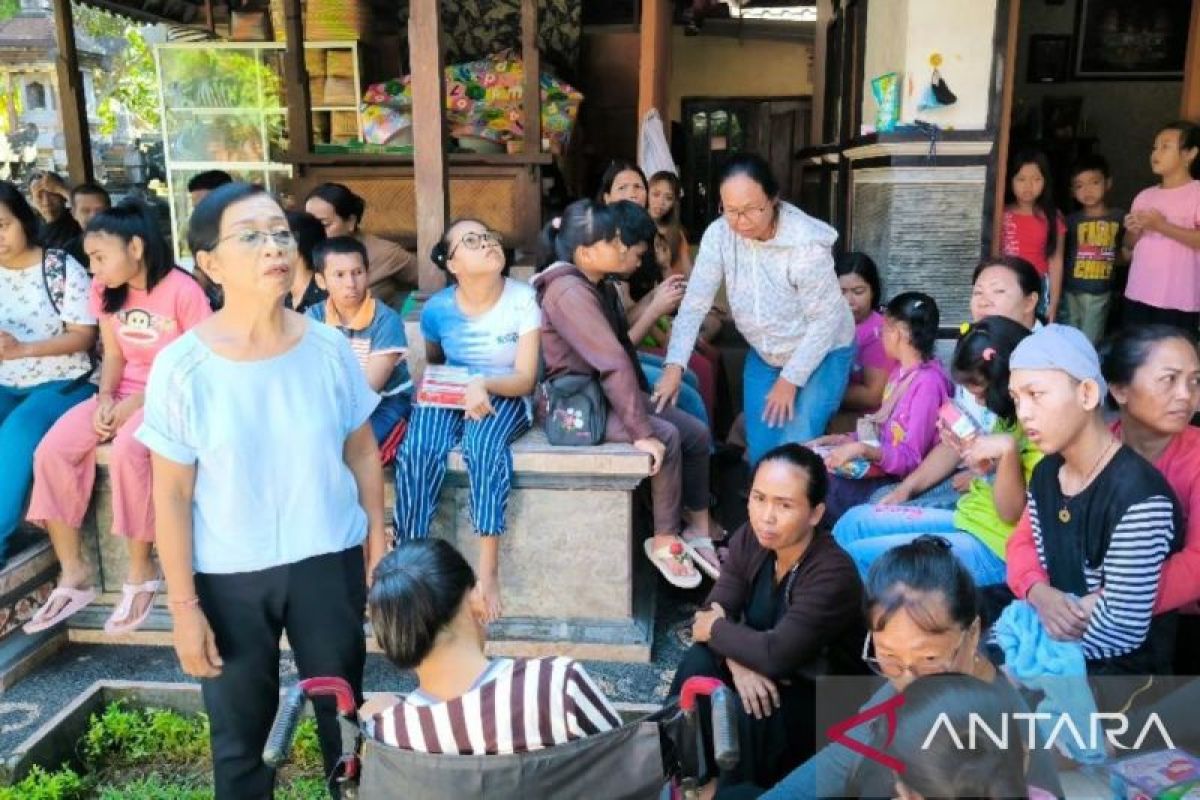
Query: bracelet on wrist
{"type": "Point", "coordinates": [191, 602]}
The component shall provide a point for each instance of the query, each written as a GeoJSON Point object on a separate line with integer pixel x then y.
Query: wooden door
{"type": "Point", "coordinates": [717, 128]}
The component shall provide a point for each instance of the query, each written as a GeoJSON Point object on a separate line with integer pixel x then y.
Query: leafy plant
{"type": "Point", "coordinates": [154, 788]}
{"type": "Point", "coordinates": [63, 784]}
{"type": "Point", "coordinates": [121, 735]}
{"type": "Point", "coordinates": [156, 754]}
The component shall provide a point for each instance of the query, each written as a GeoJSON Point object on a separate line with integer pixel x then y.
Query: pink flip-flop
{"type": "Point", "coordinates": [77, 600]}
{"type": "Point", "coordinates": [129, 592]}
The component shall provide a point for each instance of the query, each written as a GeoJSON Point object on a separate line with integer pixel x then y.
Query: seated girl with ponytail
{"type": "Point", "coordinates": [143, 303]}
{"type": "Point", "coordinates": [488, 324]}
{"type": "Point", "coordinates": [1001, 462]}
{"type": "Point", "coordinates": [579, 338]}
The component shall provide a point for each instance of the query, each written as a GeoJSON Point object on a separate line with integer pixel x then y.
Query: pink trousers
{"type": "Point", "coordinates": [64, 472]}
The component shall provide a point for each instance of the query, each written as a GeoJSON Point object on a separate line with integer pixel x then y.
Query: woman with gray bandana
{"type": "Point", "coordinates": [1103, 518]}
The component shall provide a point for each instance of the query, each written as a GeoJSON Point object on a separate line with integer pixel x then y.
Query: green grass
{"type": "Point", "coordinates": [155, 754]}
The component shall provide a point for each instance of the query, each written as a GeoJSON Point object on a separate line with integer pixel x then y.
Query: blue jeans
{"type": "Point", "coordinates": [867, 532]}
{"type": "Point", "coordinates": [942, 495]}
{"type": "Point", "coordinates": [388, 413]}
{"type": "Point", "coordinates": [689, 397]}
{"type": "Point", "coordinates": [25, 416]}
{"type": "Point", "coordinates": [816, 402]}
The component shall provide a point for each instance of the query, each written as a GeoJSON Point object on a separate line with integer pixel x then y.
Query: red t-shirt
{"type": "Point", "coordinates": [1025, 236]}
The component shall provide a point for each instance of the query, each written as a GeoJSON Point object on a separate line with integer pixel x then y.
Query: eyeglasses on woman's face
{"type": "Point", "coordinates": [476, 240]}
{"type": "Point", "coordinates": [752, 213]}
{"type": "Point", "coordinates": [251, 239]}
{"type": "Point", "coordinates": [893, 668]}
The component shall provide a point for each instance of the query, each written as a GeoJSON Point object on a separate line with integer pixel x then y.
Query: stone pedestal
{"type": "Point", "coordinates": [573, 578]}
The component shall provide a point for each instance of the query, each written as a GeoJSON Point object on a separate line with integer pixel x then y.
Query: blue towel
{"type": "Point", "coordinates": [1058, 670]}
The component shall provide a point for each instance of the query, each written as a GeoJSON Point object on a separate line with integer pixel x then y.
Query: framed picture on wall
{"type": "Point", "coordinates": [1049, 58]}
{"type": "Point", "coordinates": [1127, 40]}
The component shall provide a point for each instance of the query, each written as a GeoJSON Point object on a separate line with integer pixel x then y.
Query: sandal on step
{"type": "Point", "coordinates": [662, 557]}
{"type": "Point", "coordinates": [76, 601]}
{"type": "Point", "coordinates": [694, 546]}
{"type": "Point", "coordinates": [129, 593]}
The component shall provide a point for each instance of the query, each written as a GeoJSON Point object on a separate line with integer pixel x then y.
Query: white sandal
{"type": "Point", "coordinates": [129, 592]}
{"type": "Point", "coordinates": [696, 544]}
{"type": "Point", "coordinates": [661, 556]}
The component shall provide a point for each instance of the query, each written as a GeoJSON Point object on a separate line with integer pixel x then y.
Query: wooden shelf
{"type": "Point", "coordinates": [402, 159]}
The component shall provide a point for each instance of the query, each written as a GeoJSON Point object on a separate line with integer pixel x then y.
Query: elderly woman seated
{"type": "Point", "coordinates": [427, 611]}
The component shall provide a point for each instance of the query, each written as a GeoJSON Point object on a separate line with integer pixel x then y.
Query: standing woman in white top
{"type": "Point", "coordinates": [777, 265]}
{"type": "Point", "coordinates": [266, 484]}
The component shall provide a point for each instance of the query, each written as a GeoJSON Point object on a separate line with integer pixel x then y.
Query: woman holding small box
{"type": "Point", "coordinates": [488, 325]}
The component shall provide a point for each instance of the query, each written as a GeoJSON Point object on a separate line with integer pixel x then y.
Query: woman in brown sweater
{"type": "Point", "coordinates": [580, 338]}
{"type": "Point", "coordinates": [786, 608]}
{"type": "Point", "coordinates": [391, 270]}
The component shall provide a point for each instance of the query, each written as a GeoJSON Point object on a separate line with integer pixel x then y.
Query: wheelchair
{"type": "Point", "coordinates": [658, 756]}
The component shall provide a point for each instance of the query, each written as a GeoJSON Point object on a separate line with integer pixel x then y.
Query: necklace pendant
{"type": "Point", "coordinates": [1064, 515]}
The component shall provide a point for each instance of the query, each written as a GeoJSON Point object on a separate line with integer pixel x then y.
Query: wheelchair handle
{"type": "Point", "coordinates": [697, 687]}
{"type": "Point", "coordinates": [724, 730]}
{"type": "Point", "coordinates": [283, 730]}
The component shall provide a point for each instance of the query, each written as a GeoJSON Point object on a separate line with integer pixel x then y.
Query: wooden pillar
{"type": "Point", "coordinates": [820, 54]}
{"type": "Point", "coordinates": [429, 136]}
{"type": "Point", "coordinates": [296, 80]}
{"type": "Point", "coordinates": [11, 109]}
{"type": "Point", "coordinates": [529, 184]}
{"type": "Point", "coordinates": [654, 64]}
{"type": "Point", "coordinates": [531, 96]}
{"type": "Point", "coordinates": [1002, 133]}
{"type": "Point", "coordinates": [72, 103]}
{"type": "Point", "coordinates": [1189, 106]}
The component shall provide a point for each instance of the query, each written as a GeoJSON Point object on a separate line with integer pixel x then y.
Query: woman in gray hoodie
{"type": "Point", "coordinates": [777, 266]}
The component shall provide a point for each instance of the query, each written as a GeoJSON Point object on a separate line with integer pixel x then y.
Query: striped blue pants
{"type": "Point", "coordinates": [421, 464]}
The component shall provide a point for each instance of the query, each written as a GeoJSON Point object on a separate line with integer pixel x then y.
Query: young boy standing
{"type": "Point", "coordinates": [376, 332]}
{"type": "Point", "coordinates": [1093, 242]}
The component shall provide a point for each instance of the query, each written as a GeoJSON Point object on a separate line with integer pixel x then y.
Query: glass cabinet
{"type": "Point", "coordinates": [224, 107]}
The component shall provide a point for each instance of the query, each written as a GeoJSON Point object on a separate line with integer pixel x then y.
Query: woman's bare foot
{"type": "Point", "coordinates": [489, 587]}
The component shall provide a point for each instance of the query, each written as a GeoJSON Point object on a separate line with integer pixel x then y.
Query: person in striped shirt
{"type": "Point", "coordinates": [427, 610]}
{"type": "Point", "coordinates": [1103, 518]}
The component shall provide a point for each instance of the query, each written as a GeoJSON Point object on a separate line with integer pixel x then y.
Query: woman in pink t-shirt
{"type": "Point", "coordinates": [1027, 231]}
{"type": "Point", "coordinates": [1163, 231]}
{"type": "Point", "coordinates": [859, 279]}
{"type": "Point", "coordinates": [143, 304]}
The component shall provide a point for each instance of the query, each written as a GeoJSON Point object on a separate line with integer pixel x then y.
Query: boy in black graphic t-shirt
{"type": "Point", "coordinates": [1093, 244]}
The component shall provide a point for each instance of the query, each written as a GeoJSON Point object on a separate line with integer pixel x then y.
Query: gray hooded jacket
{"type": "Point", "coordinates": [783, 293]}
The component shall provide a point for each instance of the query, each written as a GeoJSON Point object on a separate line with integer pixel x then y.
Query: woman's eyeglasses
{"type": "Point", "coordinates": [476, 241]}
{"type": "Point", "coordinates": [252, 239]}
{"type": "Point", "coordinates": [889, 667]}
{"type": "Point", "coordinates": [749, 212]}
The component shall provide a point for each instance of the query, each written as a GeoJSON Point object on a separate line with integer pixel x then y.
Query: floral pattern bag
{"type": "Point", "coordinates": [576, 411]}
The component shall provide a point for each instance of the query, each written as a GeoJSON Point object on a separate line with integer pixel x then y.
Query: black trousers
{"type": "Point", "coordinates": [319, 602]}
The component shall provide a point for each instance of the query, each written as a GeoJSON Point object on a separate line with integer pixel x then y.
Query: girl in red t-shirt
{"type": "Point", "coordinates": [1027, 231]}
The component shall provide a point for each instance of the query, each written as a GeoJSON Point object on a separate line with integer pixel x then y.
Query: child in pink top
{"type": "Point", "coordinates": [1027, 231]}
{"type": "Point", "coordinates": [1164, 234]}
{"type": "Point", "coordinates": [858, 278]}
{"type": "Point", "coordinates": [143, 303]}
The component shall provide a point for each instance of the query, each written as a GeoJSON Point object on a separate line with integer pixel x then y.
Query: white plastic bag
{"type": "Point", "coordinates": [654, 154]}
